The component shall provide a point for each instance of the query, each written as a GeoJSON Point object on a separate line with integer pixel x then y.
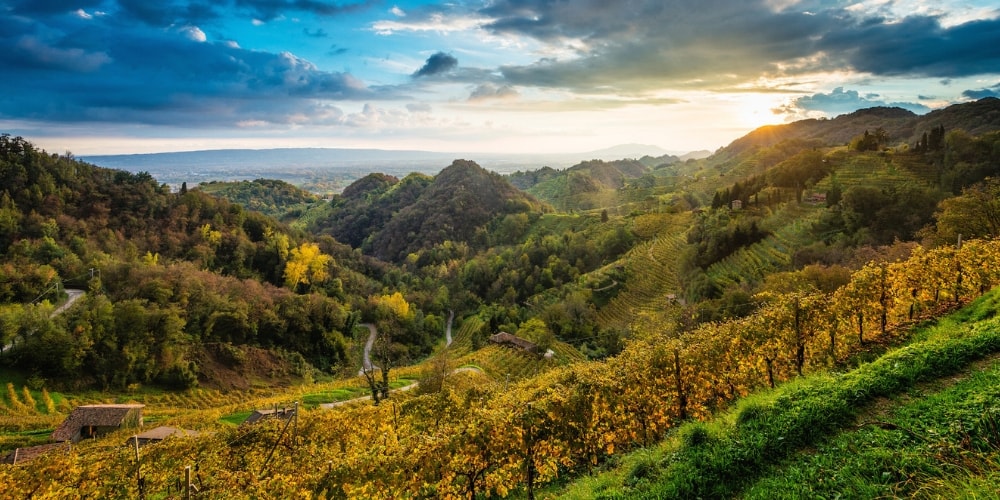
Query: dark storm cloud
{"type": "Point", "coordinates": [646, 44]}
{"type": "Point", "coordinates": [993, 91]}
{"type": "Point", "coordinates": [841, 101]}
{"type": "Point", "coordinates": [167, 12]}
{"type": "Point", "coordinates": [52, 6]}
{"type": "Point", "coordinates": [920, 46]}
{"type": "Point", "coordinates": [100, 71]}
{"type": "Point", "coordinates": [437, 64]}
{"type": "Point", "coordinates": [267, 10]}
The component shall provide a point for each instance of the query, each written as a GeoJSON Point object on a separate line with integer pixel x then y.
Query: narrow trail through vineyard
{"type": "Point", "coordinates": [368, 366]}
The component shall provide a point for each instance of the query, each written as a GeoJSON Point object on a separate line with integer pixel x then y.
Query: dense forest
{"type": "Point", "coordinates": [662, 290]}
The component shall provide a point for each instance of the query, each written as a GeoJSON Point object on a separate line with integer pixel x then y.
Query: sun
{"type": "Point", "coordinates": [753, 110]}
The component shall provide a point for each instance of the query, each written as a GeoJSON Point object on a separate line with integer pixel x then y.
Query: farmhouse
{"type": "Point", "coordinates": [91, 421]}
{"type": "Point", "coordinates": [508, 340]}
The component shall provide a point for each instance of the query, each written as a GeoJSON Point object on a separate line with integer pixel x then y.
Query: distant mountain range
{"type": "Point", "coordinates": [291, 163]}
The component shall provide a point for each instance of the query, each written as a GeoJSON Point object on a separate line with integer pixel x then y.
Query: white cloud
{"type": "Point", "coordinates": [194, 33]}
{"type": "Point", "coordinates": [437, 23]}
{"type": "Point", "coordinates": [82, 14]}
{"type": "Point", "coordinates": [396, 11]}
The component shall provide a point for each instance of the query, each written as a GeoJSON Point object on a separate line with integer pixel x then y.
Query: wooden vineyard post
{"type": "Point", "coordinates": [138, 470]}
{"type": "Point", "coordinates": [187, 482]}
{"type": "Point", "coordinates": [295, 426]}
{"type": "Point", "coordinates": [681, 394]}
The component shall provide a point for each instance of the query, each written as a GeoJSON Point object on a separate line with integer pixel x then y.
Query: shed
{"type": "Point", "coordinates": [279, 413]}
{"type": "Point", "coordinates": [25, 455]}
{"type": "Point", "coordinates": [509, 340]}
{"type": "Point", "coordinates": [160, 433]}
{"type": "Point", "coordinates": [91, 421]}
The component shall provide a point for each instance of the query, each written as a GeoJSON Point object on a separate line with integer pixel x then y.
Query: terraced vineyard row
{"type": "Point", "coordinates": [501, 363]}
{"type": "Point", "coordinates": [869, 171]}
{"type": "Point", "coordinates": [651, 276]}
{"type": "Point", "coordinates": [917, 165]}
{"type": "Point", "coordinates": [774, 253]}
{"type": "Point", "coordinates": [461, 343]}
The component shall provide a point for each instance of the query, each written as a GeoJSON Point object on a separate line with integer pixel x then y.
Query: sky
{"type": "Point", "coordinates": [97, 77]}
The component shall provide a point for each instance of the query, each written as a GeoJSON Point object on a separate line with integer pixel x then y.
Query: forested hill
{"type": "Point", "coordinates": [168, 276]}
{"type": "Point", "coordinates": [268, 196]}
{"type": "Point", "coordinates": [391, 218]}
{"type": "Point", "coordinates": [586, 177]}
{"type": "Point", "coordinates": [365, 206]}
{"type": "Point", "coordinates": [899, 124]}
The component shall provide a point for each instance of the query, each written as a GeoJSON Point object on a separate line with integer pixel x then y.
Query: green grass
{"type": "Point", "coordinates": [932, 440]}
{"type": "Point", "coordinates": [344, 393]}
{"type": "Point", "coordinates": [765, 435]}
{"type": "Point", "coordinates": [235, 418]}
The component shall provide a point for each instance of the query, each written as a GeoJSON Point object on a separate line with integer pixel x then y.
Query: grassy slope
{"type": "Point", "coordinates": [779, 443]}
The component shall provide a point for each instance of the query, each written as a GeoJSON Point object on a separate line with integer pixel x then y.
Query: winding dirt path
{"type": "Point", "coordinates": [366, 362]}
{"type": "Point", "coordinates": [408, 387]}
{"type": "Point", "coordinates": [72, 295]}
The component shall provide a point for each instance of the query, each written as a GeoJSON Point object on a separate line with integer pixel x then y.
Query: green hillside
{"type": "Point", "coordinates": [708, 327]}
{"type": "Point", "coordinates": [275, 198]}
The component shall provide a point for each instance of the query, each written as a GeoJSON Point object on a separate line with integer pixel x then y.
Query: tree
{"type": "Point", "coordinates": [307, 265]}
{"type": "Point", "coordinates": [973, 214]}
{"type": "Point", "coordinates": [535, 330]}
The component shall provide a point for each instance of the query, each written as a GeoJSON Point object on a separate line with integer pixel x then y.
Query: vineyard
{"type": "Point", "coordinates": [503, 364]}
{"type": "Point", "coordinates": [651, 276]}
{"type": "Point", "coordinates": [790, 226]}
{"type": "Point", "coordinates": [564, 420]}
{"type": "Point", "coordinates": [870, 171]}
{"type": "Point", "coordinates": [708, 312]}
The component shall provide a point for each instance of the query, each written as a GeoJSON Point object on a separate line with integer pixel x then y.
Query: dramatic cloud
{"type": "Point", "coordinates": [437, 64]}
{"type": "Point", "coordinates": [190, 81]}
{"type": "Point", "coordinates": [626, 68]}
{"type": "Point", "coordinates": [918, 46]}
{"type": "Point", "coordinates": [33, 53]}
{"type": "Point", "coordinates": [993, 91]}
{"type": "Point", "coordinates": [268, 10]}
{"type": "Point", "coordinates": [647, 44]}
{"type": "Point", "coordinates": [52, 6]}
{"type": "Point", "coordinates": [839, 102]}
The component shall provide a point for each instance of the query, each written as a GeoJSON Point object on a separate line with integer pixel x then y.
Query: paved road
{"type": "Point", "coordinates": [72, 294]}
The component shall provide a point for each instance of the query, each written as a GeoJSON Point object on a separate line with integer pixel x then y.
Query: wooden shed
{"type": "Point", "coordinates": [25, 455]}
{"type": "Point", "coordinates": [91, 421]}
{"type": "Point", "coordinates": [509, 340]}
{"type": "Point", "coordinates": [160, 433]}
{"type": "Point", "coordinates": [279, 413]}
